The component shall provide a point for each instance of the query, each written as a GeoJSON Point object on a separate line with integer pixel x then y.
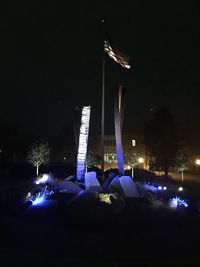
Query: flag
{"type": "Point", "coordinates": [116, 55]}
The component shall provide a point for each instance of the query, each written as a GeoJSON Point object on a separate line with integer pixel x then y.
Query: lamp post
{"type": "Point", "coordinates": [141, 161]}
{"type": "Point", "coordinates": [132, 170]}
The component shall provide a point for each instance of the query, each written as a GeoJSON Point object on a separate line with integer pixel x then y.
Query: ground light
{"type": "Point", "coordinates": [160, 188]}
{"type": "Point", "coordinates": [177, 202]}
{"type": "Point", "coordinates": [43, 179]}
{"type": "Point", "coordinates": [39, 198]}
{"type": "Point", "coordinates": [105, 198]}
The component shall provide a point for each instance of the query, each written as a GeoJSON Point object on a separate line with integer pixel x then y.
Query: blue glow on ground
{"type": "Point", "coordinates": [39, 199]}
{"type": "Point", "coordinates": [177, 201]}
{"type": "Point", "coordinates": [150, 187]}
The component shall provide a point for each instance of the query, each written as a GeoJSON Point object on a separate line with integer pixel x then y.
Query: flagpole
{"type": "Point", "coordinates": [103, 111]}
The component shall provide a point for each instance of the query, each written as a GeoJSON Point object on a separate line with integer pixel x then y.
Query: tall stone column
{"type": "Point", "coordinates": [83, 143]}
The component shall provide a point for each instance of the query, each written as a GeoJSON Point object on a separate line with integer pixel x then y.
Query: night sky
{"type": "Point", "coordinates": [51, 61]}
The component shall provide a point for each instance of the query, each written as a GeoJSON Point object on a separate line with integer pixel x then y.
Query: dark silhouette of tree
{"type": "Point", "coordinates": [9, 140]}
{"type": "Point", "coordinates": [161, 140]}
{"type": "Point", "coordinates": [11, 145]}
{"type": "Point", "coordinates": [69, 139]}
{"type": "Point", "coordinates": [92, 159]}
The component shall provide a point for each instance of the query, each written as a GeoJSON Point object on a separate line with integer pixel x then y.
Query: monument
{"type": "Point", "coordinates": [83, 143]}
{"type": "Point", "coordinates": [119, 113]}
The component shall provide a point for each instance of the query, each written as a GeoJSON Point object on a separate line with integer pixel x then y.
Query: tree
{"type": "Point", "coordinates": [39, 154]}
{"type": "Point", "coordinates": [92, 159]}
{"type": "Point", "coordinates": [161, 139]}
{"type": "Point", "coordinates": [181, 163]}
{"type": "Point", "coordinates": [132, 161]}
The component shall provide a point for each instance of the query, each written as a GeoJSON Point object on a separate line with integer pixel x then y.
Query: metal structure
{"type": "Point", "coordinates": [119, 114]}
{"type": "Point", "coordinates": [120, 59]}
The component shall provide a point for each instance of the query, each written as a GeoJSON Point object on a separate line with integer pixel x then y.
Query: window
{"type": "Point", "coordinates": [133, 142]}
{"type": "Point", "coordinates": [110, 158]}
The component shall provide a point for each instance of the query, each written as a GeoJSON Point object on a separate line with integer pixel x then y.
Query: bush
{"type": "Point", "coordinates": [59, 169]}
{"type": "Point", "coordinates": [141, 175]}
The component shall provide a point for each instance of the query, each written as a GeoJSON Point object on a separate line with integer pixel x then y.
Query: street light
{"type": "Point", "coordinates": [132, 170]}
{"type": "Point", "coordinates": [141, 160]}
{"type": "Point", "coordinates": [197, 161]}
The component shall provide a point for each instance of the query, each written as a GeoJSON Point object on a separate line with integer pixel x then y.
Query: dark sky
{"type": "Point", "coordinates": [51, 61]}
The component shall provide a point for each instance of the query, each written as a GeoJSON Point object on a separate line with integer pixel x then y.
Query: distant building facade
{"type": "Point", "coordinates": [132, 144]}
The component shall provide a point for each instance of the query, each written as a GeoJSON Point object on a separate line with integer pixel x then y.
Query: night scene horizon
{"type": "Point", "coordinates": [52, 62]}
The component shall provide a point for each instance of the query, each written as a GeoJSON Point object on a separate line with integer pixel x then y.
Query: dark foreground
{"type": "Point", "coordinates": [63, 233]}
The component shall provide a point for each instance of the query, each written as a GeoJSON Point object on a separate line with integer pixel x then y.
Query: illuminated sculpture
{"type": "Point", "coordinates": [83, 141]}
{"type": "Point", "coordinates": [129, 186]}
{"type": "Point", "coordinates": [91, 182]}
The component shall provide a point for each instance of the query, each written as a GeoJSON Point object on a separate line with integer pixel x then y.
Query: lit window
{"type": "Point", "coordinates": [110, 158]}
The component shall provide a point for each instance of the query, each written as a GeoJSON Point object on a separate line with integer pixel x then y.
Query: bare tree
{"type": "Point", "coordinates": [92, 159]}
{"type": "Point", "coordinates": [39, 154]}
{"type": "Point", "coordinates": [181, 163]}
{"type": "Point", "coordinates": [132, 161]}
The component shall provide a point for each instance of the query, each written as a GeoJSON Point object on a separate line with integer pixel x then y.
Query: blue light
{"type": "Point", "coordinates": [177, 201]}
{"type": "Point", "coordinates": [39, 199]}
{"type": "Point", "coordinates": [160, 188]}
{"type": "Point", "coordinates": [43, 179]}
{"type": "Point", "coordinates": [83, 142]}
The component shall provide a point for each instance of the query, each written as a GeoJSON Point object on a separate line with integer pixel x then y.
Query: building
{"type": "Point", "coordinates": [132, 144]}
